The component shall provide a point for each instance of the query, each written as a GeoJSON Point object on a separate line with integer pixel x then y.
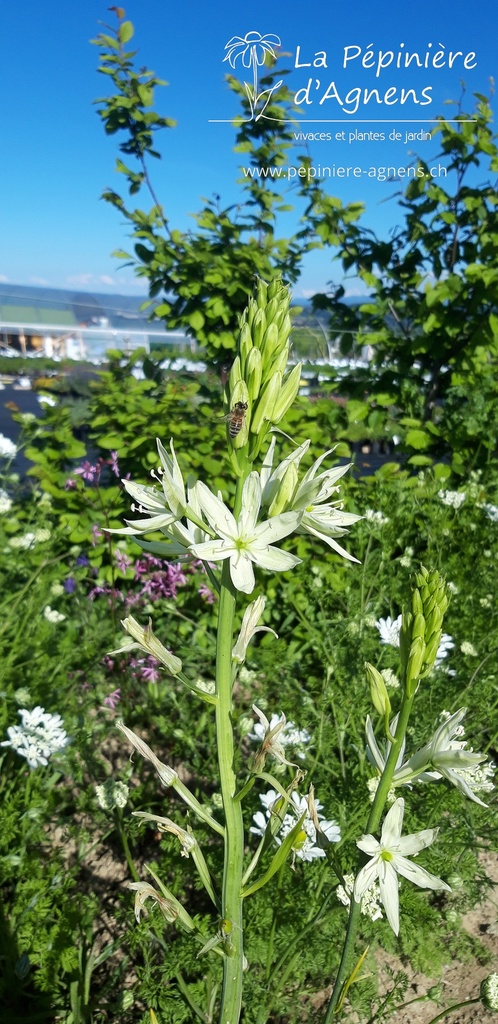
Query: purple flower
{"type": "Point", "coordinates": [88, 472]}
{"type": "Point", "coordinates": [82, 560]}
{"type": "Point", "coordinates": [96, 535]}
{"type": "Point", "coordinates": [113, 698]}
{"type": "Point", "coordinates": [122, 561]}
{"type": "Point", "coordinates": [70, 484]}
{"type": "Point", "coordinates": [69, 585]}
{"type": "Point", "coordinates": [206, 593]}
{"type": "Point", "coordinates": [150, 672]}
{"type": "Point", "coordinates": [114, 464]}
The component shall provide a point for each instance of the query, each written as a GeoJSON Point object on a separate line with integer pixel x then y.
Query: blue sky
{"type": "Point", "coordinates": [56, 159]}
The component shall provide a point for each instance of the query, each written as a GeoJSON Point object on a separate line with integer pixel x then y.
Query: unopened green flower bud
{"type": "Point", "coordinates": [263, 415]}
{"type": "Point", "coordinates": [245, 346]}
{"type": "Point", "coordinates": [258, 328]}
{"type": "Point", "coordinates": [285, 492]}
{"type": "Point", "coordinates": [287, 393]}
{"type": "Point", "coordinates": [253, 371]}
{"type": "Point", "coordinates": [418, 626]}
{"type": "Point", "coordinates": [272, 310]}
{"type": "Point", "coordinates": [378, 692]}
{"type": "Point", "coordinates": [432, 648]}
{"type": "Point", "coordinates": [235, 374]}
{"type": "Point", "coordinates": [262, 296]}
{"type": "Point", "coordinates": [415, 663]}
{"type": "Point", "coordinates": [269, 345]}
{"type": "Point", "coordinates": [279, 364]}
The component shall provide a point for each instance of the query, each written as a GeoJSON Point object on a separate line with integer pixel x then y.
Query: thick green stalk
{"type": "Point", "coordinates": [371, 826]}
{"type": "Point", "coordinates": [232, 924]}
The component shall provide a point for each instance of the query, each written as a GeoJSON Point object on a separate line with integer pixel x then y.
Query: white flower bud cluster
{"type": "Point", "coordinates": [112, 795]}
{"type": "Point", "coordinates": [370, 905]}
{"type": "Point", "coordinates": [38, 737]}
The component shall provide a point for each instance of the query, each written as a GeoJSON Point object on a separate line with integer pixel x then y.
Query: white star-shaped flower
{"type": "Point", "coordinates": [243, 540]}
{"type": "Point", "coordinates": [389, 858]}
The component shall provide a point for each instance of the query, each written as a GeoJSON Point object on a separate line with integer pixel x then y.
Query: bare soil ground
{"type": "Point", "coordinates": [460, 981]}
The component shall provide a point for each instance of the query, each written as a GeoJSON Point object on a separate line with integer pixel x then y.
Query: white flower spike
{"type": "Point", "coordinates": [389, 858]}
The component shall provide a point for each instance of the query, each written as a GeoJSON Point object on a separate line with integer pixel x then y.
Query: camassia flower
{"type": "Point", "coordinates": [283, 491]}
{"type": "Point", "coordinates": [389, 858]}
{"type": "Point", "coordinates": [244, 541]}
{"type": "Point", "coordinates": [444, 756]}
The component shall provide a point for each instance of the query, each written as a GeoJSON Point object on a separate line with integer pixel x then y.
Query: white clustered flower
{"type": "Point", "coordinates": [375, 517]}
{"type": "Point", "coordinates": [288, 736]}
{"type": "Point", "coordinates": [467, 648]}
{"type": "Point", "coordinates": [5, 502]}
{"type": "Point", "coordinates": [112, 794]}
{"type": "Point", "coordinates": [390, 678]}
{"type": "Point", "coordinates": [24, 542]}
{"type": "Point", "coordinates": [452, 498]}
{"type": "Point", "coordinates": [373, 785]}
{"type": "Point", "coordinates": [42, 535]}
{"type": "Point", "coordinates": [491, 512]}
{"type": "Point", "coordinates": [304, 848]}
{"type": "Point", "coordinates": [369, 902]}
{"type": "Point", "coordinates": [39, 735]}
{"type": "Point", "coordinates": [390, 629]}
{"type": "Point", "coordinates": [452, 587]}
{"type": "Point", "coordinates": [52, 615]}
{"type": "Point", "coordinates": [389, 857]}
{"type": "Point", "coordinates": [56, 589]}
{"type": "Point", "coordinates": [489, 991]}
{"type": "Point", "coordinates": [486, 602]}
{"type": "Point", "coordinates": [8, 450]}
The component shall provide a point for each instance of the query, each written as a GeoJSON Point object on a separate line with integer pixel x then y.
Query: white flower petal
{"type": "Point", "coordinates": [388, 884]}
{"type": "Point", "coordinates": [365, 878]}
{"type": "Point", "coordinates": [418, 875]}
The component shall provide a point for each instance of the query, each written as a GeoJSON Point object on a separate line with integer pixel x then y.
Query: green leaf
{"type": "Point", "coordinates": [279, 859]}
{"type": "Point", "coordinates": [196, 320]}
{"type": "Point", "coordinates": [125, 31]}
{"type": "Point", "coordinates": [417, 439]}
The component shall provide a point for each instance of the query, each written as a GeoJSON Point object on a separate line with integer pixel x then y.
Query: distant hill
{"type": "Point", "coordinates": [38, 304]}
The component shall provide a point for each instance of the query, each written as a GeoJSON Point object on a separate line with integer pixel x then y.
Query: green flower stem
{"type": "Point", "coordinates": [371, 827]}
{"type": "Point", "coordinates": [456, 1006]}
{"type": "Point", "coordinates": [231, 997]}
{"type": "Point", "coordinates": [118, 817]}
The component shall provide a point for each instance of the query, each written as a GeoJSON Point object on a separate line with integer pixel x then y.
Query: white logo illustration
{"type": "Point", "coordinates": [253, 48]}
